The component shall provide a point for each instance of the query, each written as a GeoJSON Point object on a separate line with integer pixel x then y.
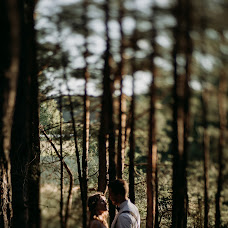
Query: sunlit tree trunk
{"type": "Point", "coordinates": [86, 122]}
{"type": "Point", "coordinates": [9, 71]}
{"type": "Point", "coordinates": [222, 142]}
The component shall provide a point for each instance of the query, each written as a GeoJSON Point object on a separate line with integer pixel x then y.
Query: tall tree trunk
{"type": "Point", "coordinates": [112, 156]}
{"type": "Point", "coordinates": [132, 139]}
{"type": "Point", "coordinates": [107, 132]}
{"type": "Point", "coordinates": [179, 178]}
{"type": "Point", "coordinates": [222, 142]}
{"type": "Point", "coordinates": [25, 151]}
{"type": "Point", "coordinates": [122, 115]}
{"type": "Point", "coordinates": [152, 166]}
{"type": "Point", "coordinates": [132, 119]}
{"type": "Point", "coordinates": [86, 122]}
{"type": "Point", "coordinates": [152, 207]}
{"type": "Point", "coordinates": [9, 71]}
{"type": "Point", "coordinates": [181, 115]}
{"type": "Point", "coordinates": [105, 142]}
{"type": "Point", "coordinates": [206, 139]}
{"type": "Point", "coordinates": [205, 157]}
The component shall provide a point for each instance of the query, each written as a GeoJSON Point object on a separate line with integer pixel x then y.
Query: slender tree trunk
{"type": "Point", "coordinates": [86, 122]}
{"type": "Point", "coordinates": [205, 157]}
{"type": "Point", "coordinates": [112, 158]}
{"type": "Point", "coordinates": [152, 208]}
{"type": "Point", "coordinates": [107, 132]}
{"type": "Point", "coordinates": [188, 56]}
{"type": "Point", "coordinates": [132, 140]}
{"type": "Point", "coordinates": [9, 71]}
{"type": "Point", "coordinates": [206, 139]}
{"type": "Point", "coordinates": [222, 142]}
{"type": "Point", "coordinates": [122, 115]}
{"type": "Point", "coordinates": [152, 167]}
{"type": "Point", "coordinates": [132, 119]}
{"type": "Point", "coordinates": [61, 162]}
{"type": "Point", "coordinates": [177, 202]}
{"type": "Point", "coordinates": [75, 137]}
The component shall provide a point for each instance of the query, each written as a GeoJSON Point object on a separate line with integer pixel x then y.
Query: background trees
{"type": "Point", "coordinates": [125, 44]}
{"type": "Point", "coordinates": [134, 89]}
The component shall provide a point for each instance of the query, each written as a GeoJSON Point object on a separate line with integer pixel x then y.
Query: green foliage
{"type": "Point", "coordinates": [50, 116]}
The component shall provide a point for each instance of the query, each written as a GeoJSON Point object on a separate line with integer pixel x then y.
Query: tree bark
{"type": "Point", "coordinates": [9, 71]}
{"type": "Point", "coordinates": [25, 151]}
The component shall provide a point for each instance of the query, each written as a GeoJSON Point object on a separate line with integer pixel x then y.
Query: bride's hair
{"type": "Point", "coordinates": [92, 204]}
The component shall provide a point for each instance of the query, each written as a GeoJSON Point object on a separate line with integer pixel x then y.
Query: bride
{"type": "Point", "coordinates": [98, 211]}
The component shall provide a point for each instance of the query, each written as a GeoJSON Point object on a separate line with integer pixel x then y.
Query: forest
{"type": "Point", "coordinates": [94, 90]}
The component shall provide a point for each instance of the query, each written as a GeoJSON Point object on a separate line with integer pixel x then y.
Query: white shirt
{"type": "Point", "coordinates": [126, 220]}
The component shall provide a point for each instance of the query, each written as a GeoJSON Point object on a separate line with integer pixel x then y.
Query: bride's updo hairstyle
{"type": "Point", "coordinates": [92, 205]}
{"type": "Point", "coordinates": [92, 201]}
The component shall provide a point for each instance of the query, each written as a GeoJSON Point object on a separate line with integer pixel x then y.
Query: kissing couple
{"type": "Point", "coordinates": [128, 214]}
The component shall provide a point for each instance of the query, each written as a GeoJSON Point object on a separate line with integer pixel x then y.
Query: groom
{"type": "Point", "coordinates": [128, 215]}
